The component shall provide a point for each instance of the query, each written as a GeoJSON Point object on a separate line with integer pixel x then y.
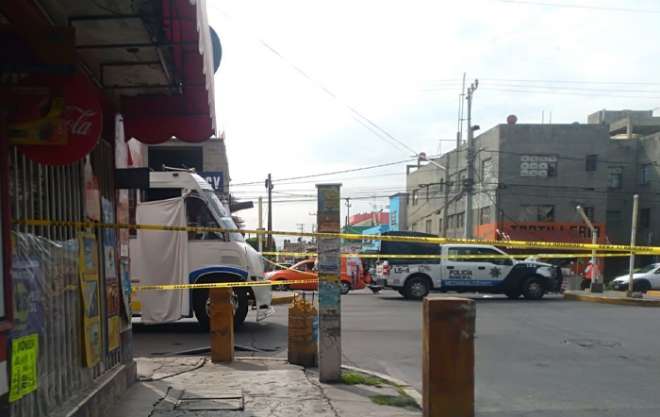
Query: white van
{"type": "Point", "coordinates": [182, 198]}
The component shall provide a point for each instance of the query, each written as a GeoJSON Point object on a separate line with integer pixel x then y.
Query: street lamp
{"type": "Point", "coordinates": [596, 281]}
{"type": "Point", "coordinates": [422, 157]}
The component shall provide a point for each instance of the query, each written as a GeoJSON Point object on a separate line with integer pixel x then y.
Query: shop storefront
{"type": "Point", "coordinates": [76, 82]}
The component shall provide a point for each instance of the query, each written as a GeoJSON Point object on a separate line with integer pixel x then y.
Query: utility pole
{"type": "Point", "coordinates": [445, 189]}
{"type": "Point", "coordinates": [459, 129]}
{"type": "Point", "coordinates": [470, 155]}
{"type": "Point", "coordinates": [328, 248]}
{"type": "Point", "coordinates": [260, 236]}
{"type": "Point", "coordinates": [269, 187]}
{"type": "Point", "coordinates": [633, 242]}
{"type": "Point", "coordinates": [348, 210]}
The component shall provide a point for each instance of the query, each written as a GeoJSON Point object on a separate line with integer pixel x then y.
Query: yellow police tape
{"type": "Point", "coordinates": [219, 285]}
{"type": "Point", "coordinates": [514, 244]}
{"type": "Point", "coordinates": [454, 257]}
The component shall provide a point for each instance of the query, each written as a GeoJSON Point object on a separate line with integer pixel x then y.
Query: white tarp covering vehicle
{"type": "Point", "coordinates": [173, 257]}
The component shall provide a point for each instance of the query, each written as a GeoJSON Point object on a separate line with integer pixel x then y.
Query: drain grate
{"type": "Point", "coordinates": [228, 401]}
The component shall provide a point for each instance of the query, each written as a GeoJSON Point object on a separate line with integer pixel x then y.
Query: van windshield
{"type": "Point", "coordinates": [228, 223]}
{"type": "Point", "coordinates": [215, 204]}
{"type": "Point", "coordinates": [222, 215]}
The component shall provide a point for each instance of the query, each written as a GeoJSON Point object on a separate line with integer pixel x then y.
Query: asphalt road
{"type": "Point", "coordinates": [549, 358]}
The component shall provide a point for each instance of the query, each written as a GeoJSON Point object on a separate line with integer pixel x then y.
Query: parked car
{"type": "Point", "coordinates": [644, 279]}
{"type": "Point", "coordinates": [353, 277]}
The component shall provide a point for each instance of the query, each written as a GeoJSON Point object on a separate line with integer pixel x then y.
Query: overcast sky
{"type": "Point", "coordinates": [400, 64]}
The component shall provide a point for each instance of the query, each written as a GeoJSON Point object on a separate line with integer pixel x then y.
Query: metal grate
{"type": "Point", "coordinates": [56, 192]}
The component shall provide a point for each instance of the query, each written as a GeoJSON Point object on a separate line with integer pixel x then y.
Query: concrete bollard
{"type": "Point", "coordinates": [448, 357]}
{"type": "Point", "coordinates": [222, 325]}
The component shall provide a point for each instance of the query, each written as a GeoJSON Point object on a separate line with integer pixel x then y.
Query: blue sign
{"type": "Point", "coordinates": [395, 202]}
{"type": "Point", "coordinates": [215, 178]}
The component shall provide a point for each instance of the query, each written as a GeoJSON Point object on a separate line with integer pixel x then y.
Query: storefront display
{"type": "Point", "coordinates": [89, 288]}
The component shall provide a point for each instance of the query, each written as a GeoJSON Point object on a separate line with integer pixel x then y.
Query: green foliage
{"type": "Point", "coordinates": [354, 378]}
{"type": "Point", "coordinates": [402, 400]}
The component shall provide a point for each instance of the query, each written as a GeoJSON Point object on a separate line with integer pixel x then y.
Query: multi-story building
{"type": "Point", "coordinates": [529, 178]}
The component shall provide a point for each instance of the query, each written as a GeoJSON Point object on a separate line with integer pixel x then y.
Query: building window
{"type": "Point", "coordinates": [645, 218]}
{"type": "Point", "coordinates": [451, 183]}
{"type": "Point", "coordinates": [615, 178]}
{"type": "Point", "coordinates": [614, 217]}
{"type": "Point", "coordinates": [645, 174]}
{"type": "Point", "coordinates": [538, 166]}
{"type": "Point", "coordinates": [486, 175]}
{"type": "Point", "coordinates": [429, 226]}
{"type": "Point", "coordinates": [462, 175]}
{"type": "Point", "coordinates": [460, 220]}
{"type": "Point", "coordinates": [427, 192]}
{"type": "Point", "coordinates": [485, 215]}
{"type": "Point", "coordinates": [415, 197]}
{"type": "Point", "coordinates": [540, 213]}
{"type": "Point", "coordinates": [591, 162]}
{"type": "Point", "coordinates": [440, 226]}
{"type": "Point", "coordinates": [589, 212]}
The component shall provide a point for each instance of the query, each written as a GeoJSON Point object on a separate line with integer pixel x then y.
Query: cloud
{"type": "Point", "coordinates": [400, 64]}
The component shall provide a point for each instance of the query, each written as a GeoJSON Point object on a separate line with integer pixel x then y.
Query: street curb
{"type": "Point", "coordinates": [639, 302]}
{"type": "Point", "coordinates": [283, 299]}
{"type": "Point", "coordinates": [410, 391]}
{"type": "Point", "coordinates": [653, 293]}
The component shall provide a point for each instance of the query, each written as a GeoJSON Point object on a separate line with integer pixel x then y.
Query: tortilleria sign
{"type": "Point", "coordinates": [82, 118]}
{"type": "Point", "coordinates": [552, 232]}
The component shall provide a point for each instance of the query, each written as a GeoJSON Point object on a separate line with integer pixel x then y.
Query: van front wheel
{"type": "Point", "coordinates": [201, 306]}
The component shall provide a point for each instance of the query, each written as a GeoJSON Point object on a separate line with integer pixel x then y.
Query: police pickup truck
{"type": "Point", "coordinates": [462, 269]}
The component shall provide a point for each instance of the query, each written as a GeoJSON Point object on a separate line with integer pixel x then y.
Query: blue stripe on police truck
{"type": "Point", "coordinates": [470, 282]}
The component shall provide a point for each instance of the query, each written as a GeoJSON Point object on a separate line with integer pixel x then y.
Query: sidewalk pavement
{"type": "Point", "coordinates": [613, 297]}
{"type": "Point", "coordinates": [193, 386]}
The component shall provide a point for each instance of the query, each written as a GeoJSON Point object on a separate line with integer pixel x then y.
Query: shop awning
{"type": "Point", "coordinates": [188, 116]}
{"type": "Point", "coordinates": [153, 57]}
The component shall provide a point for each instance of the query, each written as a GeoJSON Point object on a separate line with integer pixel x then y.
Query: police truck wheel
{"type": "Point", "coordinates": [417, 287]}
{"type": "Point", "coordinates": [201, 306]}
{"type": "Point", "coordinates": [533, 288]}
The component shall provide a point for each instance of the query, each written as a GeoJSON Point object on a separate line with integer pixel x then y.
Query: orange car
{"type": "Point", "coordinates": [353, 276]}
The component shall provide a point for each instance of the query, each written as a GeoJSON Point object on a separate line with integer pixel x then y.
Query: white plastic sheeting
{"type": "Point", "coordinates": [161, 257]}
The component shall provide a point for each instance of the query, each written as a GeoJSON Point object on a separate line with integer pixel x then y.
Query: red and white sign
{"type": "Point", "coordinates": [83, 118]}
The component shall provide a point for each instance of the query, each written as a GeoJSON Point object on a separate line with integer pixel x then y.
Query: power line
{"type": "Point", "coordinates": [330, 173]}
{"type": "Point", "coordinates": [570, 81]}
{"type": "Point", "coordinates": [579, 6]}
{"type": "Point", "coordinates": [366, 122]}
{"type": "Point", "coordinates": [570, 93]}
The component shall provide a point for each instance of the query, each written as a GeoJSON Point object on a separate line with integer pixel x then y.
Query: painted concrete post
{"type": "Point", "coordinates": [328, 219]}
{"type": "Point", "coordinates": [222, 325]}
{"type": "Point", "coordinates": [448, 357]}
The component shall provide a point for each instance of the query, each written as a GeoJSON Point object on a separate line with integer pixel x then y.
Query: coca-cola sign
{"type": "Point", "coordinates": [82, 118]}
